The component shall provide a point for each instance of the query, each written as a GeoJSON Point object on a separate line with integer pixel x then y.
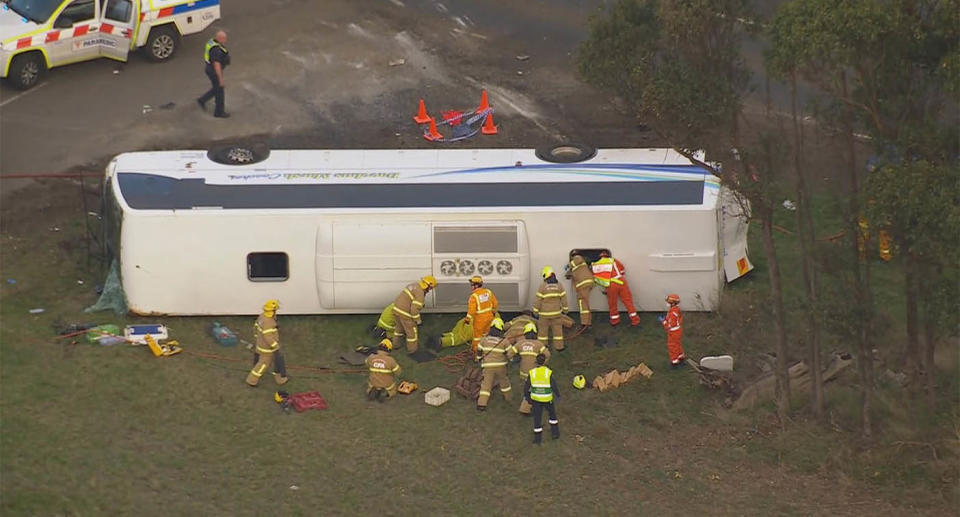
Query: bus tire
{"type": "Point", "coordinates": [162, 42]}
{"type": "Point", "coordinates": [26, 70]}
{"type": "Point", "coordinates": [239, 154]}
{"type": "Point", "coordinates": [566, 153]}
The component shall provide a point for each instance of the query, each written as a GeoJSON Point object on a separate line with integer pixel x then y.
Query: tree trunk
{"type": "Point", "coordinates": [806, 238]}
{"type": "Point", "coordinates": [861, 281]}
{"type": "Point", "coordinates": [776, 295]}
{"type": "Point", "coordinates": [930, 339]}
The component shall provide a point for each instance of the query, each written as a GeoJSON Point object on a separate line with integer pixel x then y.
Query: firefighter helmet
{"type": "Point", "coordinates": [673, 298]}
{"type": "Point", "coordinates": [579, 382]}
{"type": "Point", "coordinates": [476, 280]}
{"type": "Point", "coordinates": [546, 272]}
{"type": "Point", "coordinates": [530, 327]}
{"type": "Point", "coordinates": [428, 281]}
{"type": "Point", "coordinates": [386, 344]}
{"type": "Point", "coordinates": [271, 306]}
{"type": "Point", "coordinates": [280, 396]}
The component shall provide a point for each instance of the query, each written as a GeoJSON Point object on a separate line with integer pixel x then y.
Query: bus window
{"type": "Point", "coordinates": [591, 255]}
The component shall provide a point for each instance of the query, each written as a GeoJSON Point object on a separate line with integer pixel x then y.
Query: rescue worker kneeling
{"type": "Point", "coordinates": [492, 356]}
{"type": "Point", "coordinates": [540, 389]}
{"type": "Point", "coordinates": [384, 372]}
{"type": "Point", "coordinates": [528, 348]}
{"type": "Point", "coordinates": [267, 353]}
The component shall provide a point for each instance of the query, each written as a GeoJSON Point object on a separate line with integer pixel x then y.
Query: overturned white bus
{"type": "Point", "coordinates": [342, 231]}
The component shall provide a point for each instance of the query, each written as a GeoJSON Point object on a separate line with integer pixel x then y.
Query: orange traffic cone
{"type": "Point", "coordinates": [484, 104]}
{"type": "Point", "coordinates": [422, 117]}
{"type": "Point", "coordinates": [432, 134]}
{"type": "Point", "coordinates": [488, 127]}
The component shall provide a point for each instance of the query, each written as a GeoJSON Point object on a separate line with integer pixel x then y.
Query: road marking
{"type": "Point", "coordinates": [17, 96]}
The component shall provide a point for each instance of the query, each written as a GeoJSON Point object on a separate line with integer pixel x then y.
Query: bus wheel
{"type": "Point", "coordinates": [239, 154]}
{"type": "Point", "coordinates": [162, 43]}
{"type": "Point", "coordinates": [26, 70]}
{"type": "Point", "coordinates": [566, 153]}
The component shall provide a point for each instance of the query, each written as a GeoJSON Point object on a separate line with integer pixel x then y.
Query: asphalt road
{"type": "Point", "coordinates": [317, 74]}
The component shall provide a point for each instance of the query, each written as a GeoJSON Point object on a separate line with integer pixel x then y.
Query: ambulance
{"type": "Point", "coordinates": [39, 34]}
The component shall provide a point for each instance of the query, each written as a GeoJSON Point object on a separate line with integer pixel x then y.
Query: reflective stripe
{"type": "Point", "coordinates": [381, 323]}
{"type": "Point", "coordinates": [418, 304]}
{"type": "Point", "coordinates": [551, 313]}
{"type": "Point", "coordinates": [538, 429]}
{"type": "Point", "coordinates": [487, 393]}
{"type": "Point", "coordinates": [381, 370]}
{"type": "Point", "coordinates": [491, 365]}
{"type": "Point", "coordinates": [674, 328]}
{"type": "Point", "coordinates": [540, 389]}
{"type": "Point", "coordinates": [209, 46]}
{"type": "Point", "coordinates": [409, 294]}
{"type": "Point", "coordinates": [266, 350]}
{"type": "Point", "coordinates": [584, 282]}
{"type": "Point", "coordinates": [403, 312]}
{"type": "Point", "coordinates": [504, 390]}
{"type": "Point", "coordinates": [553, 422]}
{"type": "Point", "coordinates": [552, 295]}
{"type": "Point", "coordinates": [533, 354]}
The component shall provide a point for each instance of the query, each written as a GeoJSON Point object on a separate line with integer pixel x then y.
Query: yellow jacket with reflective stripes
{"type": "Point", "coordinates": [383, 369]}
{"type": "Point", "coordinates": [409, 302]}
{"type": "Point", "coordinates": [551, 300]}
{"type": "Point", "coordinates": [540, 388]}
{"type": "Point", "coordinates": [528, 350]}
{"type": "Point", "coordinates": [580, 272]}
{"type": "Point", "coordinates": [493, 351]}
{"type": "Point", "coordinates": [268, 336]}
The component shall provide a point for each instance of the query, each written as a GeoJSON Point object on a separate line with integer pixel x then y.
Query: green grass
{"type": "Point", "coordinates": [112, 430]}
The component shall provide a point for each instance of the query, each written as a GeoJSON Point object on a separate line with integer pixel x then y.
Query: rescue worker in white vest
{"type": "Point", "coordinates": [549, 307]}
{"type": "Point", "coordinates": [384, 372]}
{"type": "Point", "coordinates": [217, 58]}
{"type": "Point", "coordinates": [582, 278]}
{"type": "Point", "coordinates": [540, 390]}
{"type": "Point", "coordinates": [267, 353]}
{"type": "Point", "coordinates": [492, 356]}
{"type": "Point", "coordinates": [609, 274]}
{"type": "Point", "coordinates": [406, 312]}
{"type": "Point", "coordinates": [528, 348]}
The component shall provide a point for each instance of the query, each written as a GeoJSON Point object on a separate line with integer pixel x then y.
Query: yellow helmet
{"type": "Point", "coordinates": [280, 396]}
{"type": "Point", "coordinates": [497, 323]}
{"type": "Point", "coordinates": [579, 382]}
{"type": "Point", "coordinates": [428, 281]}
{"type": "Point", "coordinates": [271, 306]}
{"type": "Point", "coordinates": [476, 280]}
{"type": "Point", "coordinates": [386, 343]}
{"type": "Point", "coordinates": [546, 272]}
{"type": "Point", "coordinates": [529, 327]}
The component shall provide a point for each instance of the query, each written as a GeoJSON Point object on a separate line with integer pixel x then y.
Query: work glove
{"type": "Point", "coordinates": [661, 318]}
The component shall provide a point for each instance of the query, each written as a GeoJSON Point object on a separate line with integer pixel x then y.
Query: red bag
{"type": "Point", "coordinates": [307, 400]}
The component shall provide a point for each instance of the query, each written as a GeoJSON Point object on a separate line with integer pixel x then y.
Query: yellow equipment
{"type": "Point", "coordinates": [163, 350]}
{"type": "Point", "coordinates": [476, 280]}
{"type": "Point", "coordinates": [579, 382]}
{"type": "Point", "coordinates": [386, 343]}
{"type": "Point", "coordinates": [407, 387]}
{"type": "Point", "coordinates": [546, 272]}
{"type": "Point", "coordinates": [271, 306]}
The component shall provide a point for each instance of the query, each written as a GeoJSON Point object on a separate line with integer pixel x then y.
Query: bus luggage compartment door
{"type": "Point", "coordinates": [362, 266]}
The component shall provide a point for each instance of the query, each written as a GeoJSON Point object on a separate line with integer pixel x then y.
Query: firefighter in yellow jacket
{"type": "Point", "coordinates": [549, 307]}
{"type": "Point", "coordinates": [582, 278]}
{"type": "Point", "coordinates": [516, 328]}
{"type": "Point", "coordinates": [528, 348]}
{"type": "Point", "coordinates": [406, 312]}
{"type": "Point", "coordinates": [267, 353]}
{"type": "Point", "coordinates": [384, 372]}
{"type": "Point", "coordinates": [492, 356]}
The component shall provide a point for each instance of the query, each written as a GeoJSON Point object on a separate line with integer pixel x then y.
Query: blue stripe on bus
{"type": "Point", "coordinates": [182, 8]}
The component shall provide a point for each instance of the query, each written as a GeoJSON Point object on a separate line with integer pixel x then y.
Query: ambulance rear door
{"type": "Point", "coordinates": [118, 19]}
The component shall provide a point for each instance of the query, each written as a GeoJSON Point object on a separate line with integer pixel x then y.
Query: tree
{"type": "Point", "coordinates": [689, 81]}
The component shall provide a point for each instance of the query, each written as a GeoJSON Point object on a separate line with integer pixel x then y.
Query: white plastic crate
{"type": "Point", "coordinates": [437, 396]}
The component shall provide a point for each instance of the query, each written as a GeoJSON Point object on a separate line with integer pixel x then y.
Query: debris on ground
{"type": "Point", "coordinates": [397, 62]}
{"type": "Point", "coordinates": [523, 57]}
{"type": "Point", "coordinates": [764, 388]}
{"type": "Point", "coordinates": [168, 105]}
{"type": "Point", "coordinates": [437, 396]}
{"type": "Point", "coordinates": [722, 363]}
{"type": "Point", "coordinates": [407, 387]}
{"type": "Point", "coordinates": [37, 311]}
{"type": "Point", "coordinates": [468, 386]}
{"type": "Point", "coordinates": [615, 378]}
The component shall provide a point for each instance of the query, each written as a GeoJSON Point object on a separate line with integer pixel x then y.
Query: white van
{"type": "Point", "coordinates": [342, 231]}
{"type": "Point", "coordinates": [36, 35]}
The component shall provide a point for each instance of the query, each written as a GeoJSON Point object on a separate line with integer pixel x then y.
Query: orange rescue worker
{"type": "Point", "coordinates": [528, 348]}
{"type": "Point", "coordinates": [673, 324]}
{"type": "Point", "coordinates": [582, 279]}
{"type": "Point", "coordinates": [406, 312]}
{"type": "Point", "coordinates": [609, 273]}
{"type": "Point", "coordinates": [481, 309]}
{"type": "Point", "coordinates": [549, 307]}
{"type": "Point", "coordinates": [267, 352]}
{"type": "Point", "coordinates": [384, 372]}
{"type": "Point", "coordinates": [491, 353]}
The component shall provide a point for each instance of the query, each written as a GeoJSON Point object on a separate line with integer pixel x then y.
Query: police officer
{"type": "Point", "coordinates": [217, 58]}
{"type": "Point", "coordinates": [539, 391]}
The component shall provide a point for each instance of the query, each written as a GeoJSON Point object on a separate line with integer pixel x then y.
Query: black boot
{"type": "Point", "coordinates": [555, 431]}
{"type": "Point", "coordinates": [372, 395]}
{"type": "Point", "coordinates": [537, 438]}
{"type": "Point", "coordinates": [381, 395]}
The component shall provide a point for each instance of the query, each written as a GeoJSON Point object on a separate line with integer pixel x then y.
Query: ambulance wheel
{"type": "Point", "coordinates": [162, 43]}
{"type": "Point", "coordinates": [26, 70]}
{"type": "Point", "coordinates": [239, 154]}
{"type": "Point", "coordinates": [566, 153]}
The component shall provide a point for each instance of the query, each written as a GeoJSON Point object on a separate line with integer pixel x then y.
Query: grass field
{"type": "Point", "coordinates": [91, 430]}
